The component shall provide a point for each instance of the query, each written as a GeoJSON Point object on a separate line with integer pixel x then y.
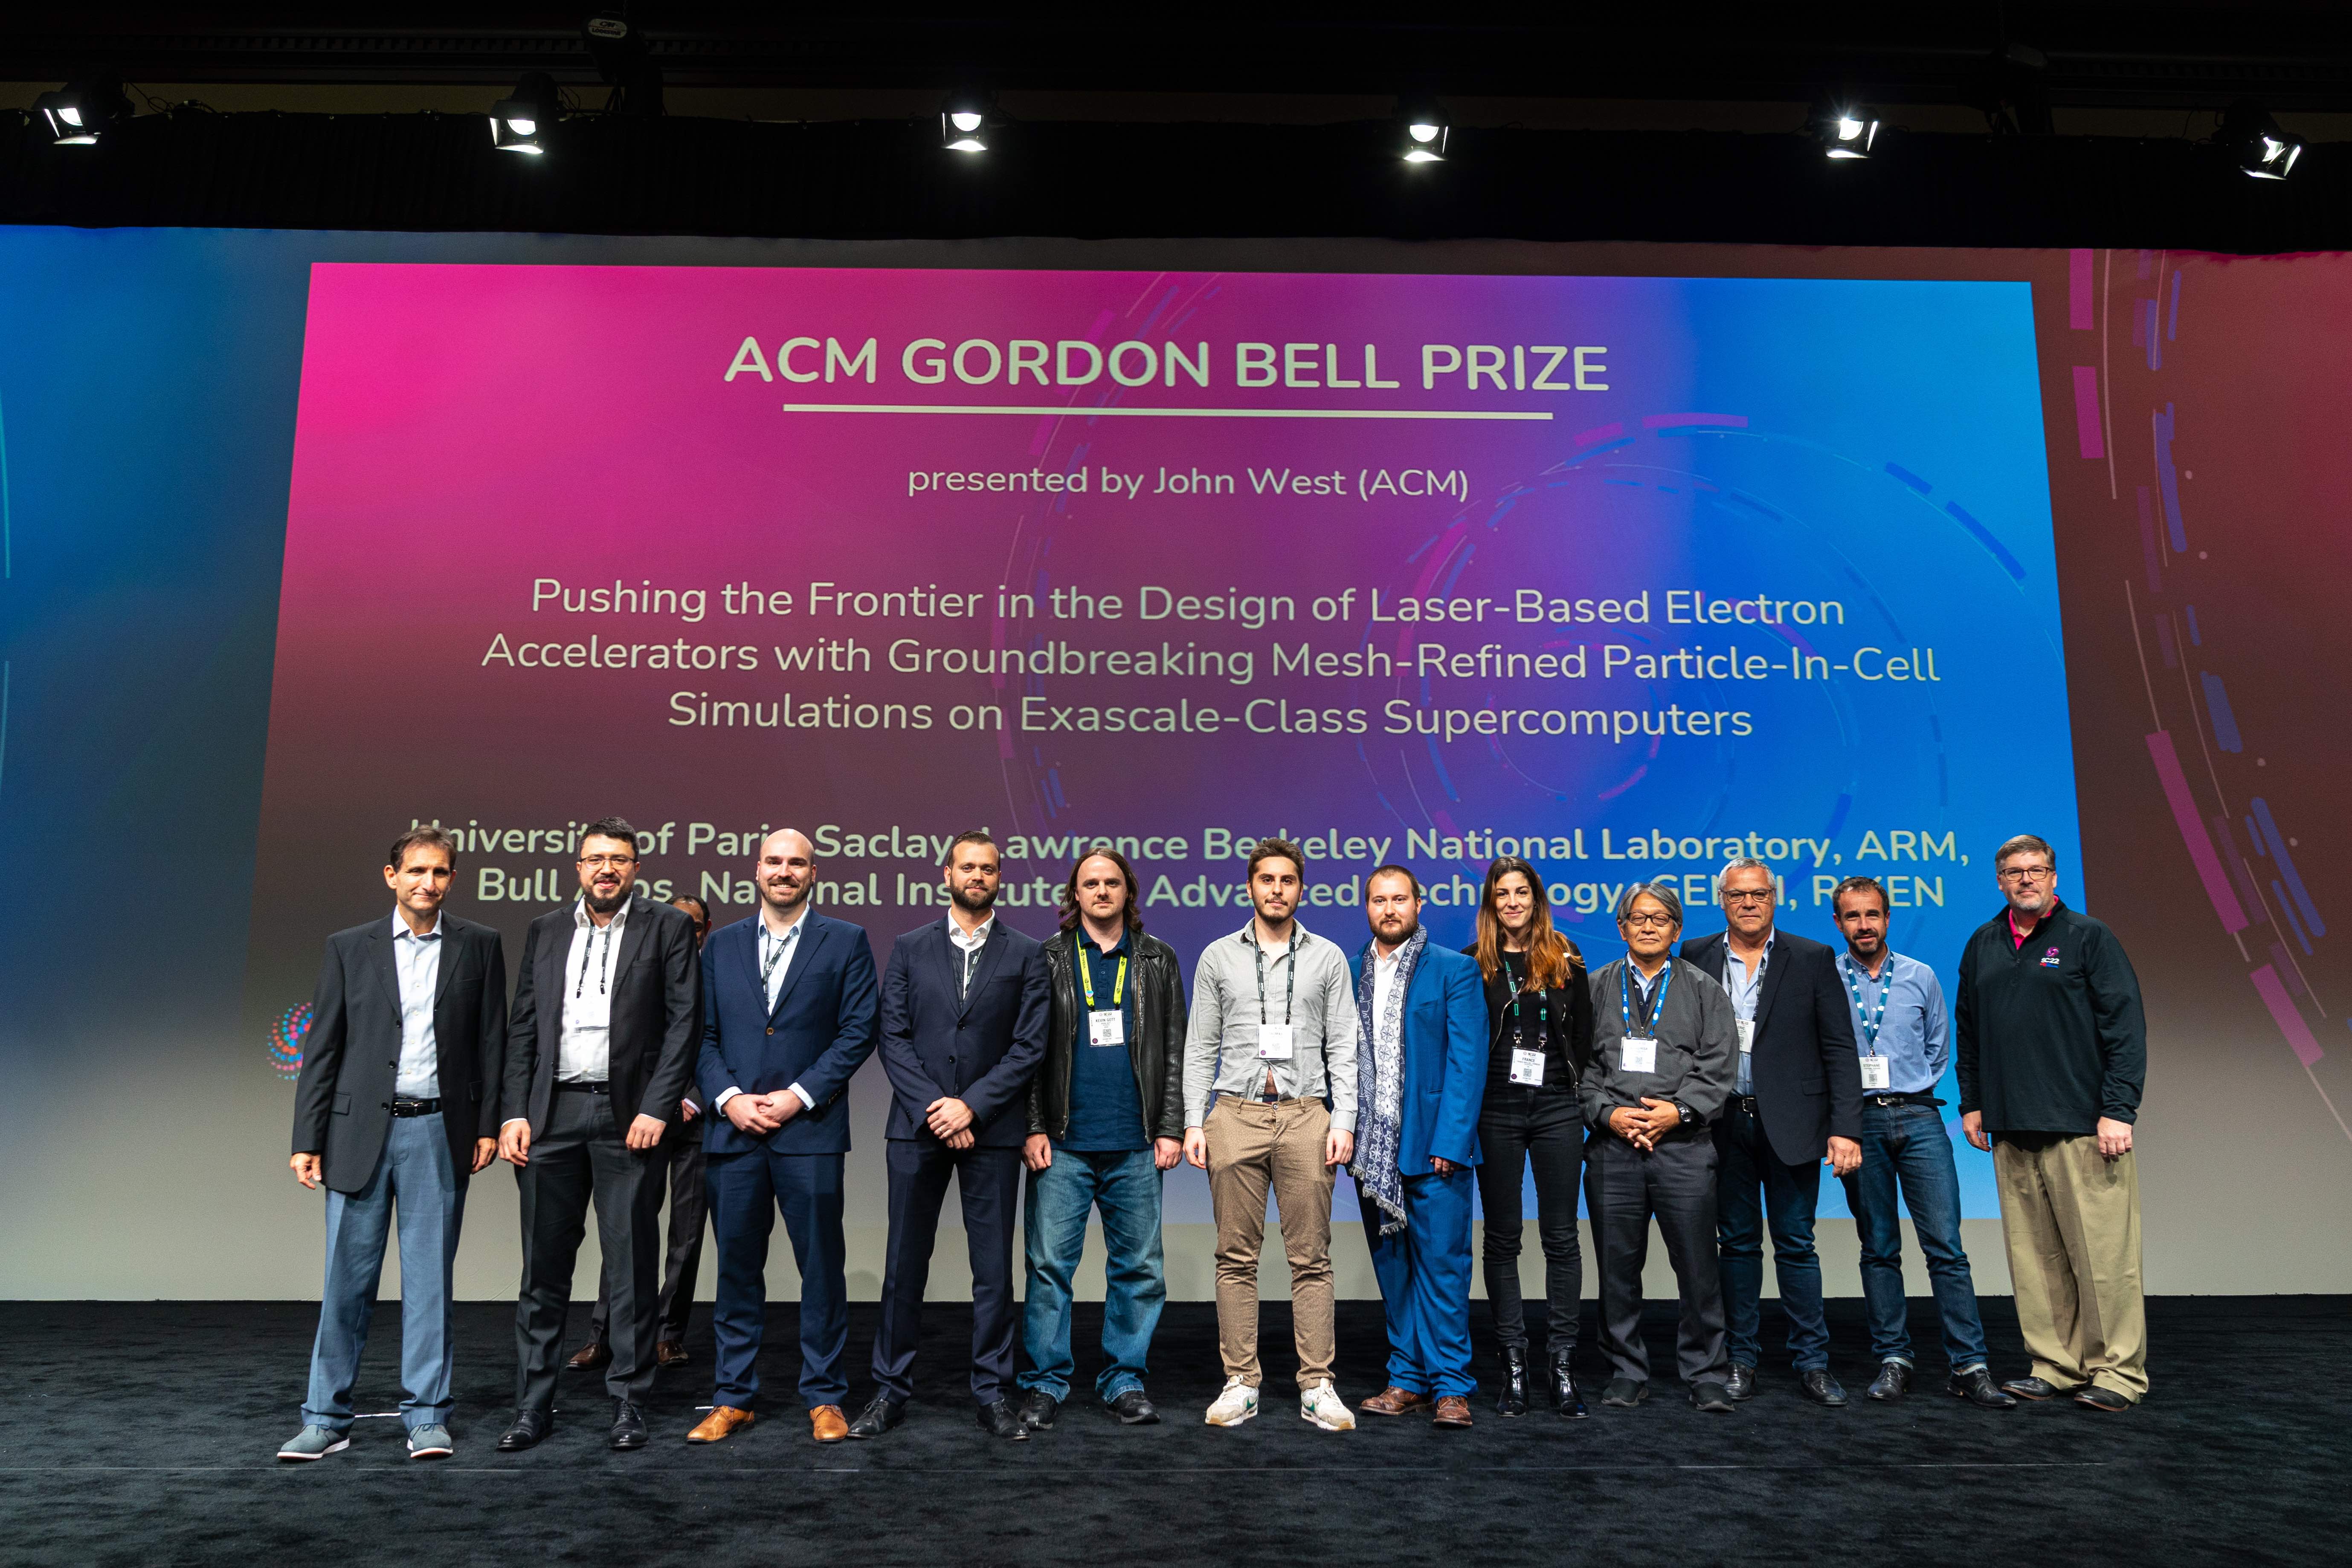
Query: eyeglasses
{"type": "Point", "coordinates": [2028, 874]}
{"type": "Point", "coordinates": [1748, 896]}
{"type": "Point", "coordinates": [1643, 923]}
{"type": "Point", "coordinates": [595, 862]}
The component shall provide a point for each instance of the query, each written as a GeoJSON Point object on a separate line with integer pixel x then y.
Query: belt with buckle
{"type": "Point", "coordinates": [582, 1086]}
{"type": "Point", "coordinates": [415, 1106]}
{"type": "Point", "coordinates": [1901, 1099]}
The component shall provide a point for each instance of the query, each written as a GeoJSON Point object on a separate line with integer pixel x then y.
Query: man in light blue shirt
{"type": "Point", "coordinates": [1904, 1036]}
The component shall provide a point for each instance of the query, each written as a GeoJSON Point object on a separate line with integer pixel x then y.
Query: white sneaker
{"type": "Point", "coordinates": [1236, 1405]}
{"type": "Point", "coordinates": [1319, 1403]}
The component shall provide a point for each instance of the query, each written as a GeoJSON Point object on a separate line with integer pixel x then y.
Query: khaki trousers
{"type": "Point", "coordinates": [1253, 1146]}
{"type": "Point", "coordinates": [2071, 1221]}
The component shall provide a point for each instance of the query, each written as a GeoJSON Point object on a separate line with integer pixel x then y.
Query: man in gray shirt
{"type": "Point", "coordinates": [1272, 1044]}
{"type": "Point", "coordinates": [1663, 1041]}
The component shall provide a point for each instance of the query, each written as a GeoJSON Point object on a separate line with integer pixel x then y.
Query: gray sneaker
{"type": "Point", "coordinates": [314, 1443]}
{"type": "Point", "coordinates": [430, 1442]}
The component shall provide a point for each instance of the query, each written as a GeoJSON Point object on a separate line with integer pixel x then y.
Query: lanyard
{"type": "Point", "coordinates": [1763, 961]}
{"type": "Point", "coordinates": [1543, 1004]}
{"type": "Point", "coordinates": [1863, 1014]}
{"type": "Point", "coordinates": [1651, 1011]}
{"type": "Point", "coordinates": [1289, 975]}
{"type": "Point", "coordinates": [604, 968]}
{"type": "Point", "coordinates": [770, 956]}
{"type": "Point", "coordinates": [1118, 986]}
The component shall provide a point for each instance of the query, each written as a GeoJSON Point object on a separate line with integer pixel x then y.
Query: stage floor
{"type": "Point", "coordinates": [144, 1433]}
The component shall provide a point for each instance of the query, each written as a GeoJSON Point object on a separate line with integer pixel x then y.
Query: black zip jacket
{"type": "Point", "coordinates": [1155, 1050]}
{"type": "Point", "coordinates": [1567, 1049]}
{"type": "Point", "coordinates": [2050, 1036]}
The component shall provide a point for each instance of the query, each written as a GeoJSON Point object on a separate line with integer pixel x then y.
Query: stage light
{"type": "Point", "coordinates": [1425, 132]}
{"type": "Point", "coordinates": [521, 123]}
{"type": "Point", "coordinates": [2263, 151]}
{"type": "Point", "coordinates": [79, 113]}
{"type": "Point", "coordinates": [1846, 130]}
{"type": "Point", "coordinates": [963, 122]}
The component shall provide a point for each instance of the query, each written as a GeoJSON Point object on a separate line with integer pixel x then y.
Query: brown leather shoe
{"type": "Point", "coordinates": [670, 1352]}
{"type": "Point", "coordinates": [722, 1423]}
{"type": "Point", "coordinates": [590, 1356]}
{"type": "Point", "coordinates": [827, 1424]}
{"type": "Point", "coordinates": [1394, 1401]}
{"type": "Point", "coordinates": [1453, 1411]}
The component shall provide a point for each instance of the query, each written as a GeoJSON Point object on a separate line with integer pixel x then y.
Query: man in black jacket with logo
{"type": "Point", "coordinates": [1106, 1119]}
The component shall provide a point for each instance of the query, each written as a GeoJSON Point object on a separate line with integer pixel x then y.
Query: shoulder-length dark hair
{"type": "Point", "coordinates": [1070, 916]}
{"type": "Point", "coordinates": [1552, 960]}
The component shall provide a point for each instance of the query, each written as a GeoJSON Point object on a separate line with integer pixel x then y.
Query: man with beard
{"type": "Point", "coordinates": [1420, 1078]}
{"type": "Point", "coordinates": [964, 1004]}
{"type": "Point", "coordinates": [600, 1042]}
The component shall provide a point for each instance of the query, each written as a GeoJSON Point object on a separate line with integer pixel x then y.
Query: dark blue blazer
{"type": "Point", "coordinates": [819, 1030]}
{"type": "Point", "coordinates": [1445, 1060]}
{"type": "Point", "coordinates": [981, 1046]}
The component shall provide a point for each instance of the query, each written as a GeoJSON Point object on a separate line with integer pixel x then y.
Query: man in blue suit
{"type": "Point", "coordinates": [964, 1007]}
{"type": "Point", "coordinates": [788, 1014]}
{"type": "Point", "coordinates": [1421, 1077]}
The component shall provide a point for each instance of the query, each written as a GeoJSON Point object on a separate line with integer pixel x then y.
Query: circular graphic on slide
{"type": "Point", "coordinates": [286, 1037]}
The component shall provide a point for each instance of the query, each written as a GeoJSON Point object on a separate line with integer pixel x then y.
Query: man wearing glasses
{"type": "Point", "coordinates": [2051, 1048]}
{"type": "Point", "coordinates": [607, 1010]}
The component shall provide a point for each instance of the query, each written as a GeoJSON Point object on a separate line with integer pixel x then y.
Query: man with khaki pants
{"type": "Point", "coordinates": [1270, 1101]}
{"type": "Point", "coordinates": [2050, 1045]}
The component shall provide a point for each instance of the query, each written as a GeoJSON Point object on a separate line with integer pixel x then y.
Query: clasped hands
{"type": "Point", "coordinates": [1642, 1127]}
{"type": "Point", "coordinates": [761, 1114]}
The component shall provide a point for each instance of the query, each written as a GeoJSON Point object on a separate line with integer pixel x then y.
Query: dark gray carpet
{"type": "Point", "coordinates": [143, 1433]}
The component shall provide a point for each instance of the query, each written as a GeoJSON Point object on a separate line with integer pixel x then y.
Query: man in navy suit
{"type": "Point", "coordinates": [788, 1012]}
{"type": "Point", "coordinates": [1420, 1078]}
{"type": "Point", "coordinates": [964, 1007]}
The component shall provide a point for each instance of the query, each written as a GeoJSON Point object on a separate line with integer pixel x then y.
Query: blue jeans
{"type": "Point", "coordinates": [415, 1174]}
{"type": "Point", "coordinates": [1909, 1142]}
{"type": "Point", "coordinates": [1791, 1194]}
{"type": "Point", "coordinates": [1127, 1187]}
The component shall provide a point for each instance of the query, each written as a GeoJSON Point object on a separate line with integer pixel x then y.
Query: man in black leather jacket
{"type": "Point", "coordinates": [1105, 1119]}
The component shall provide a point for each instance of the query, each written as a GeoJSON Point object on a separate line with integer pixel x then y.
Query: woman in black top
{"type": "Point", "coordinates": [1539, 1037]}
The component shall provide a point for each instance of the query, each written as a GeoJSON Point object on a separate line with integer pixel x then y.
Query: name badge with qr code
{"type": "Point", "coordinates": [1877, 1072]}
{"type": "Point", "coordinates": [1639, 1054]}
{"type": "Point", "coordinates": [1274, 1042]}
{"type": "Point", "coordinates": [1106, 1026]}
{"type": "Point", "coordinates": [1747, 1036]}
{"type": "Point", "coordinates": [1526, 1066]}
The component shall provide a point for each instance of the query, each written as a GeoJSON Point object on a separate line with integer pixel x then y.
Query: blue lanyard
{"type": "Point", "coordinates": [1655, 1010]}
{"type": "Point", "coordinates": [1870, 1022]}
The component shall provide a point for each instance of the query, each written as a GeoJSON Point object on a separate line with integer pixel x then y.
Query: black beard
{"type": "Point", "coordinates": [603, 906]}
{"type": "Point", "coordinates": [977, 905]}
{"type": "Point", "coordinates": [792, 899]}
{"type": "Point", "coordinates": [1406, 935]}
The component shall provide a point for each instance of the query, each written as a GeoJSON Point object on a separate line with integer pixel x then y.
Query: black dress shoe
{"type": "Point", "coordinates": [1038, 1410]}
{"type": "Point", "coordinates": [1893, 1381]}
{"type": "Point", "coordinates": [530, 1428]}
{"type": "Point", "coordinates": [1565, 1396]}
{"type": "Point", "coordinates": [628, 1426]}
{"type": "Point", "coordinates": [881, 1414]}
{"type": "Point", "coordinates": [1624, 1392]}
{"type": "Point", "coordinates": [1976, 1386]}
{"type": "Point", "coordinates": [2093, 1397]}
{"type": "Point", "coordinates": [1741, 1383]}
{"type": "Point", "coordinates": [1133, 1409]}
{"type": "Point", "coordinates": [2032, 1388]}
{"type": "Point", "coordinates": [1000, 1420]}
{"type": "Point", "coordinates": [1823, 1389]}
{"type": "Point", "coordinates": [1513, 1399]}
{"type": "Point", "coordinates": [1712, 1397]}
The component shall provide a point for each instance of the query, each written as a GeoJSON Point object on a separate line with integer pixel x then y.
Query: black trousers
{"type": "Point", "coordinates": [989, 1183]}
{"type": "Point", "coordinates": [1625, 1188]}
{"type": "Point", "coordinates": [1519, 1124]}
{"type": "Point", "coordinates": [680, 1163]}
{"type": "Point", "coordinates": [576, 1160]}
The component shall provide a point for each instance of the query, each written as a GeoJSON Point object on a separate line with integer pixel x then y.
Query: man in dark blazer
{"type": "Point", "coordinates": [965, 1002]}
{"type": "Point", "coordinates": [788, 1014]}
{"type": "Point", "coordinates": [1420, 1079]}
{"type": "Point", "coordinates": [396, 1107]}
{"type": "Point", "coordinates": [1797, 1098]}
{"type": "Point", "coordinates": [608, 1001]}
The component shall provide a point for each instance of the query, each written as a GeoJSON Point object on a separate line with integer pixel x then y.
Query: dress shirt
{"type": "Point", "coordinates": [1745, 986]}
{"type": "Point", "coordinates": [1916, 1037]}
{"type": "Point", "coordinates": [1385, 972]}
{"type": "Point", "coordinates": [777, 950]}
{"type": "Point", "coordinates": [967, 949]}
{"type": "Point", "coordinates": [416, 960]}
{"type": "Point", "coordinates": [1220, 1037]}
{"type": "Point", "coordinates": [583, 1049]}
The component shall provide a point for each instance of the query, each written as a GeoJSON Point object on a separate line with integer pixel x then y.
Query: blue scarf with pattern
{"type": "Point", "coordinates": [1380, 1085]}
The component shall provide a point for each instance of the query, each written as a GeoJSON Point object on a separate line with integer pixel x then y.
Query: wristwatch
{"type": "Point", "coordinates": [1690, 1117]}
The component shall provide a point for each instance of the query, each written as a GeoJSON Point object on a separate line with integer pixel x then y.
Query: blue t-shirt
{"type": "Point", "coordinates": [1105, 1112]}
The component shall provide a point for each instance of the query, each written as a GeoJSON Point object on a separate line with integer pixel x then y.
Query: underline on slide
{"type": "Point", "coordinates": [1053, 410]}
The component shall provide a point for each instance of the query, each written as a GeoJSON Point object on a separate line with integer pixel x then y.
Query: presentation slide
{"type": "Point", "coordinates": [1627, 576]}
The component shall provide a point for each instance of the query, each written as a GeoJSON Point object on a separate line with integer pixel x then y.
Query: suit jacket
{"type": "Point", "coordinates": [656, 1011]}
{"type": "Point", "coordinates": [981, 1045]}
{"type": "Point", "coordinates": [821, 1029]}
{"type": "Point", "coordinates": [342, 1102]}
{"type": "Point", "coordinates": [1806, 1070]}
{"type": "Point", "coordinates": [1444, 1030]}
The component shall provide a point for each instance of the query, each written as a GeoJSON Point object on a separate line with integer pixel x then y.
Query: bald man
{"type": "Point", "coordinates": [790, 1009]}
